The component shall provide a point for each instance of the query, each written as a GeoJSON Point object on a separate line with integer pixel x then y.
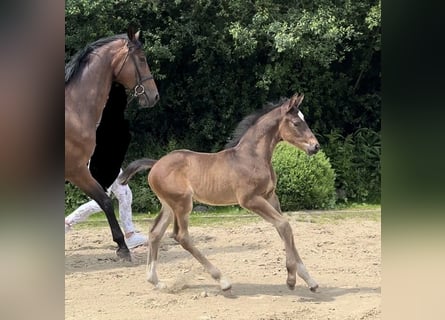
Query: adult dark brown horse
{"type": "Point", "coordinates": [88, 79]}
{"type": "Point", "coordinates": [241, 174]}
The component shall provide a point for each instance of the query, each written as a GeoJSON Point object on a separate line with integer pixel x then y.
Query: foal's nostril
{"type": "Point", "coordinates": [315, 148]}
{"type": "Point", "coordinates": [157, 97]}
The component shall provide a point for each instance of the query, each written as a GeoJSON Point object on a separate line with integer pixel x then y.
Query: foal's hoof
{"type": "Point", "coordinates": [124, 254]}
{"type": "Point", "coordinates": [225, 284]}
{"type": "Point", "coordinates": [291, 284]}
{"type": "Point", "coordinates": [160, 286]}
{"type": "Point", "coordinates": [314, 288]}
{"type": "Point", "coordinates": [229, 294]}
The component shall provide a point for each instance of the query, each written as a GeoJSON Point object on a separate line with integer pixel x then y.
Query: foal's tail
{"type": "Point", "coordinates": [135, 167]}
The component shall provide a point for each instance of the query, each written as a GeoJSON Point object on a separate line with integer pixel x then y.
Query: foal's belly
{"type": "Point", "coordinates": [216, 195]}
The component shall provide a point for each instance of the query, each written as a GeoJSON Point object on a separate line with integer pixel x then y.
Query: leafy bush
{"type": "Point", "coordinates": [144, 200]}
{"type": "Point", "coordinates": [74, 197]}
{"type": "Point", "coordinates": [356, 161]}
{"type": "Point", "coordinates": [303, 182]}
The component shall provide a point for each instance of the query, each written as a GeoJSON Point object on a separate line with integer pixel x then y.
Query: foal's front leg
{"type": "Point", "coordinates": [182, 211]}
{"type": "Point", "coordinates": [294, 264]}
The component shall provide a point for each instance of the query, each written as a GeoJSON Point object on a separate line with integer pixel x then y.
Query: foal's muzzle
{"type": "Point", "coordinates": [313, 149]}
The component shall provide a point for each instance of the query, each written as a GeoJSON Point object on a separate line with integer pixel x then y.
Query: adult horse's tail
{"type": "Point", "coordinates": [135, 167]}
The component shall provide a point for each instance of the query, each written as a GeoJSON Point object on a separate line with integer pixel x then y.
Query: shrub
{"type": "Point", "coordinates": [303, 182]}
{"type": "Point", "coordinates": [144, 200]}
{"type": "Point", "coordinates": [356, 161]}
{"type": "Point", "coordinates": [74, 197]}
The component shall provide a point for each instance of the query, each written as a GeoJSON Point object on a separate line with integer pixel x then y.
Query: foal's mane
{"type": "Point", "coordinates": [250, 120]}
{"type": "Point", "coordinates": [80, 59]}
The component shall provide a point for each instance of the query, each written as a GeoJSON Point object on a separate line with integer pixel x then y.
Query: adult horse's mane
{"type": "Point", "coordinates": [250, 120]}
{"type": "Point", "coordinates": [80, 59]}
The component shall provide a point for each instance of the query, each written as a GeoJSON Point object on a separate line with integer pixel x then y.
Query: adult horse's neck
{"type": "Point", "coordinates": [94, 84]}
{"type": "Point", "coordinates": [261, 139]}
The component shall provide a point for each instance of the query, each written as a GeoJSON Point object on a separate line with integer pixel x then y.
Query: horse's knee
{"type": "Point", "coordinates": [283, 226]}
{"type": "Point", "coordinates": [183, 239]}
{"type": "Point", "coordinates": [155, 236]}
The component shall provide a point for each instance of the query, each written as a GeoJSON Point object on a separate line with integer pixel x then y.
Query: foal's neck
{"type": "Point", "coordinates": [261, 139]}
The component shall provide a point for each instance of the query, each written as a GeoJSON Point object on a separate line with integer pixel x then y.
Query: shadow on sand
{"type": "Point", "coordinates": [258, 290]}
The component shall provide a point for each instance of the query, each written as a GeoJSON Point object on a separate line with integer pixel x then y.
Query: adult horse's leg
{"type": "Point", "coordinates": [93, 189]}
{"type": "Point", "coordinates": [156, 232]}
{"type": "Point", "coordinates": [182, 208]}
{"type": "Point", "coordinates": [294, 264]}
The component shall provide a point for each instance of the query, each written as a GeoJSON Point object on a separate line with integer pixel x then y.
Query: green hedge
{"type": "Point", "coordinates": [144, 200]}
{"type": "Point", "coordinates": [356, 161]}
{"type": "Point", "coordinates": [73, 198]}
{"type": "Point", "coordinates": [303, 182]}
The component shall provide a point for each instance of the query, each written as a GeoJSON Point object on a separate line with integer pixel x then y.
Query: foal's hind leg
{"type": "Point", "coordinates": [157, 231]}
{"type": "Point", "coordinates": [175, 228]}
{"type": "Point", "coordinates": [182, 210]}
{"type": "Point", "coordinates": [294, 264]}
{"type": "Point", "coordinates": [93, 189]}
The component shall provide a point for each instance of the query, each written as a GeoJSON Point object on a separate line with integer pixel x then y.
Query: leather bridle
{"type": "Point", "coordinates": [139, 88]}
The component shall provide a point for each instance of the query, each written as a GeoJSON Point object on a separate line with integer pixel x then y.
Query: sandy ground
{"type": "Point", "coordinates": [344, 257]}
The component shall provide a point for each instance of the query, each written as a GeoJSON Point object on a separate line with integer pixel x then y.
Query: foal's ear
{"type": "Point", "coordinates": [140, 36]}
{"type": "Point", "coordinates": [131, 33]}
{"type": "Point", "coordinates": [295, 101]}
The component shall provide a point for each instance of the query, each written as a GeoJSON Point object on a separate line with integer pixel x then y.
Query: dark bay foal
{"type": "Point", "coordinates": [240, 174]}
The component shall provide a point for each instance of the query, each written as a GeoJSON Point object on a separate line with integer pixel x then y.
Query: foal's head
{"type": "Point", "coordinates": [131, 70]}
{"type": "Point", "coordinates": [294, 129]}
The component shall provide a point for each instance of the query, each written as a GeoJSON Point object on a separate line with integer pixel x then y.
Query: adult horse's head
{"type": "Point", "coordinates": [132, 71]}
{"type": "Point", "coordinates": [294, 129]}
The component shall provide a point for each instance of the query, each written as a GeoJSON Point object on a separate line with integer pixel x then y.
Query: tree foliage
{"type": "Point", "coordinates": [216, 61]}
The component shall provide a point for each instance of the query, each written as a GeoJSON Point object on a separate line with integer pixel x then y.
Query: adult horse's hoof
{"type": "Point", "coordinates": [314, 288]}
{"type": "Point", "coordinates": [124, 254]}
